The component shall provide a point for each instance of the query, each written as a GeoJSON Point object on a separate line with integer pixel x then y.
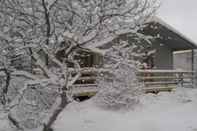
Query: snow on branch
{"type": "Point", "coordinates": [39, 29]}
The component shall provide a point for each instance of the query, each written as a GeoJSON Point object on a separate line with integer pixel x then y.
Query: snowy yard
{"type": "Point", "coordinates": [175, 111]}
{"type": "Point", "coordinates": [48, 48]}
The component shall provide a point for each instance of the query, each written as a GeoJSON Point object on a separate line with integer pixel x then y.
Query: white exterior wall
{"type": "Point", "coordinates": [183, 60]}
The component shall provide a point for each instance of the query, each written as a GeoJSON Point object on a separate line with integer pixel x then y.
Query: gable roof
{"type": "Point", "coordinates": [168, 35]}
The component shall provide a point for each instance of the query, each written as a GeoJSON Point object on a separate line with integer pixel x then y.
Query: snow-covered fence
{"type": "Point", "coordinates": [165, 80]}
{"type": "Point", "coordinates": [154, 80]}
{"type": "Point", "coordinates": [86, 84]}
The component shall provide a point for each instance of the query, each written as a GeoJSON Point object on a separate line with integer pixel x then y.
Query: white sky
{"type": "Point", "coordinates": [182, 15]}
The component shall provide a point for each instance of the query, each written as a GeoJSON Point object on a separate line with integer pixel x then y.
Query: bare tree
{"type": "Point", "coordinates": [44, 27]}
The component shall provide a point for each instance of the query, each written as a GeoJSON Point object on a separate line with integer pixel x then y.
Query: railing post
{"type": "Point", "coordinates": [194, 79]}
{"type": "Point", "coordinates": [194, 66]}
{"type": "Point", "coordinates": [180, 78]}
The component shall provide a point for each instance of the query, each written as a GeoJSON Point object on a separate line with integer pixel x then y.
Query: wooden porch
{"type": "Point", "coordinates": [154, 80]}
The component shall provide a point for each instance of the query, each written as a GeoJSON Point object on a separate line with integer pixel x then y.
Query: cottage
{"type": "Point", "coordinates": [167, 43]}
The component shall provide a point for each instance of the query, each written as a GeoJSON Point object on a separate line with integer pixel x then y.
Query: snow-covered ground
{"type": "Point", "coordinates": [175, 111]}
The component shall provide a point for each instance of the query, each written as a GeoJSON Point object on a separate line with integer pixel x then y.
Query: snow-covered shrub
{"type": "Point", "coordinates": [35, 105]}
{"type": "Point", "coordinates": [119, 86]}
{"type": "Point", "coordinates": [28, 102]}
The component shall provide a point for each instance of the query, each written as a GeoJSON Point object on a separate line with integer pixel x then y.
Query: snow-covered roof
{"type": "Point", "coordinates": [157, 19]}
{"type": "Point", "coordinates": [165, 34]}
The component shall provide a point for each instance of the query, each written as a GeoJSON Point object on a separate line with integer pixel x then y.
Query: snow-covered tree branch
{"type": "Point", "coordinates": [38, 30]}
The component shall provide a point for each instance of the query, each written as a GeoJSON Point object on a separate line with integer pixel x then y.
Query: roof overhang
{"type": "Point", "coordinates": [167, 35]}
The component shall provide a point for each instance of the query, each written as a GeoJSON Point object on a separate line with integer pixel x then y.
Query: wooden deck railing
{"type": "Point", "coordinates": [159, 80]}
{"type": "Point", "coordinates": [154, 80]}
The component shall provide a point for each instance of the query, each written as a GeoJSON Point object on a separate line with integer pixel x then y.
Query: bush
{"type": "Point", "coordinates": [119, 88]}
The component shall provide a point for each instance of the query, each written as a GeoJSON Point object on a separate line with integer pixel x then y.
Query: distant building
{"type": "Point", "coordinates": [166, 42]}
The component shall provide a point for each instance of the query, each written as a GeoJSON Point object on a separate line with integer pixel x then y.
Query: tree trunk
{"type": "Point", "coordinates": [59, 109]}
{"type": "Point", "coordinates": [5, 89]}
{"type": "Point", "coordinates": [14, 122]}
